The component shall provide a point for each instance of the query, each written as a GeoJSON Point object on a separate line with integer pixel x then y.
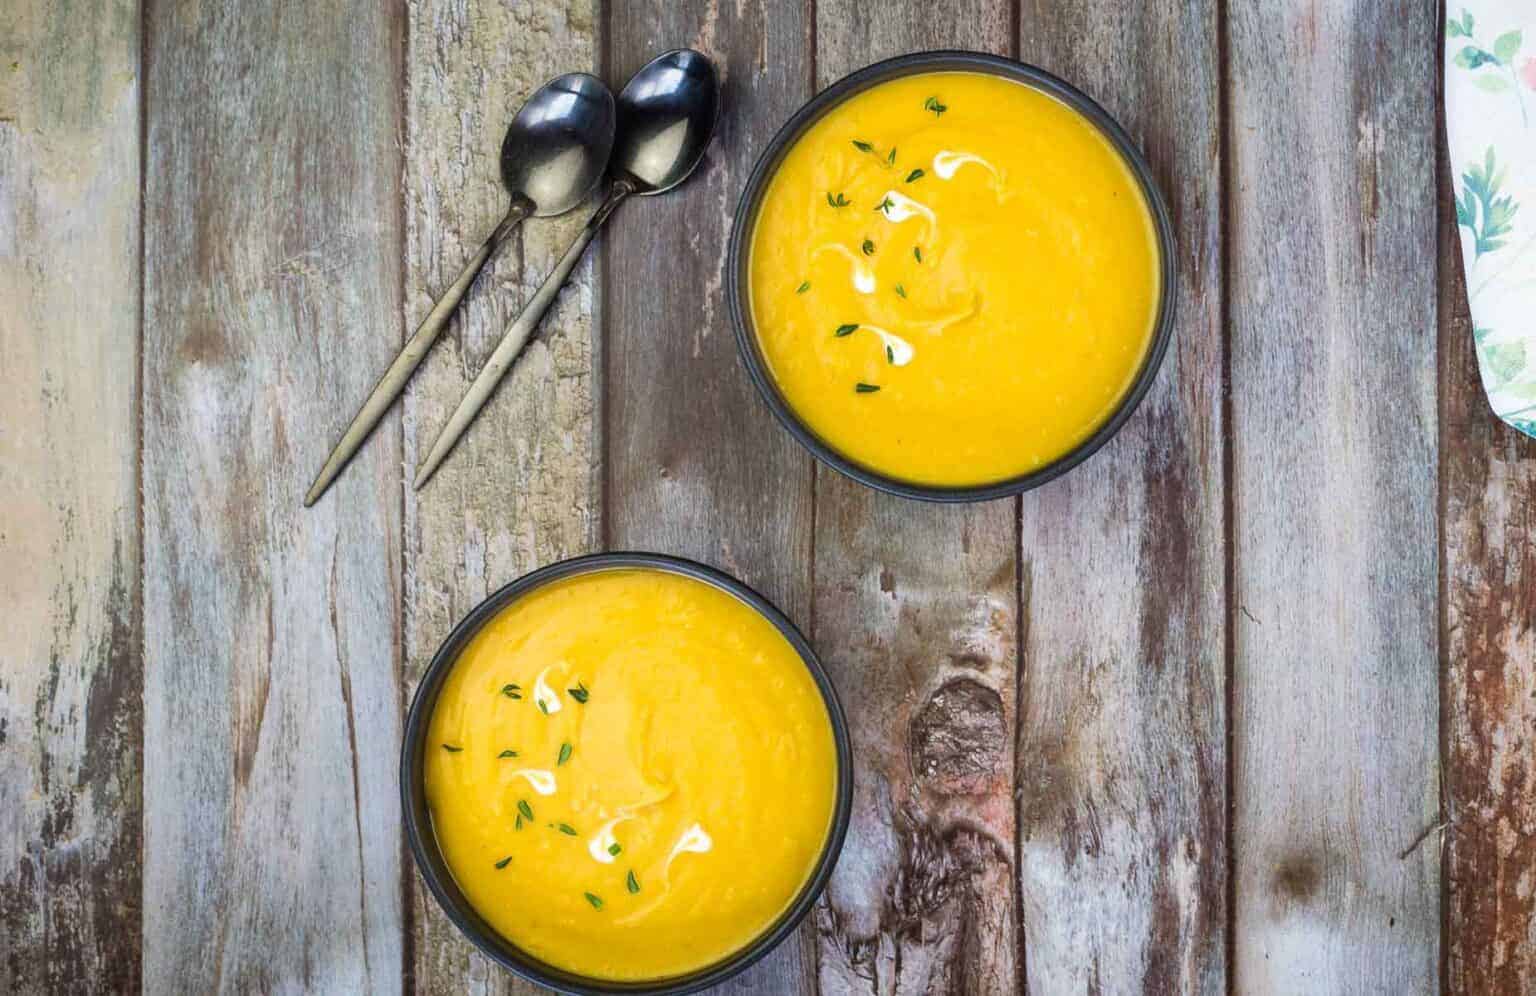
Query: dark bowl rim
{"type": "Point", "coordinates": [433, 869]}
{"type": "Point", "coordinates": [951, 60]}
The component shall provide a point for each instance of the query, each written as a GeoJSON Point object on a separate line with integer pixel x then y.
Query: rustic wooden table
{"type": "Point", "coordinates": [1248, 701]}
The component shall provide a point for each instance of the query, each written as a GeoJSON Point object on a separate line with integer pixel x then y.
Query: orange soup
{"type": "Point", "coordinates": [954, 278]}
{"type": "Point", "coordinates": [631, 774]}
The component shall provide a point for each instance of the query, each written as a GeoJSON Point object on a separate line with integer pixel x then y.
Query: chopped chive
{"type": "Point", "coordinates": [450, 748]}
{"type": "Point", "coordinates": [579, 693]}
{"type": "Point", "coordinates": [596, 901]}
{"type": "Point", "coordinates": [525, 809]}
{"type": "Point", "coordinates": [891, 159]}
{"type": "Point", "coordinates": [862, 388]}
{"type": "Point", "coordinates": [863, 146]}
{"type": "Point", "coordinates": [614, 849]}
{"type": "Point", "coordinates": [510, 691]}
{"type": "Point", "coordinates": [885, 205]}
{"type": "Point", "coordinates": [901, 291]}
{"type": "Point", "coordinates": [932, 104]}
{"type": "Point", "coordinates": [843, 330]}
{"type": "Point", "coordinates": [805, 286]}
{"type": "Point", "coordinates": [519, 824]}
{"type": "Point", "coordinates": [917, 254]}
{"type": "Point", "coordinates": [567, 829]}
{"type": "Point", "coordinates": [890, 356]}
{"type": "Point", "coordinates": [632, 883]}
{"type": "Point", "coordinates": [507, 753]}
{"type": "Point", "coordinates": [565, 754]}
{"type": "Point", "coordinates": [543, 708]}
{"type": "Point", "coordinates": [868, 247]}
{"type": "Point", "coordinates": [839, 201]}
{"type": "Point", "coordinates": [916, 174]}
{"type": "Point", "coordinates": [504, 862]}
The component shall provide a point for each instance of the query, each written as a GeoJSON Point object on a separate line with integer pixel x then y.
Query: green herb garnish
{"type": "Point", "coordinates": [519, 824]}
{"type": "Point", "coordinates": [543, 708]}
{"type": "Point", "coordinates": [890, 356]}
{"type": "Point", "coordinates": [632, 883]}
{"type": "Point", "coordinates": [525, 809]}
{"type": "Point", "coordinates": [504, 862]}
{"type": "Point", "coordinates": [565, 754]}
{"type": "Point", "coordinates": [510, 691]}
{"type": "Point", "coordinates": [868, 247]}
{"type": "Point", "coordinates": [890, 160]}
{"type": "Point", "coordinates": [863, 146]}
{"type": "Point", "coordinates": [579, 693]}
{"type": "Point", "coordinates": [916, 174]}
{"type": "Point", "coordinates": [843, 330]}
{"type": "Point", "coordinates": [507, 753]}
{"type": "Point", "coordinates": [805, 286]}
{"type": "Point", "coordinates": [862, 388]}
{"type": "Point", "coordinates": [450, 748]}
{"type": "Point", "coordinates": [596, 901]}
{"type": "Point", "coordinates": [568, 830]}
{"type": "Point", "coordinates": [917, 254]}
{"type": "Point", "coordinates": [884, 205]}
{"type": "Point", "coordinates": [901, 291]}
{"type": "Point", "coordinates": [614, 849]}
{"type": "Point", "coordinates": [838, 202]}
{"type": "Point", "coordinates": [932, 104]}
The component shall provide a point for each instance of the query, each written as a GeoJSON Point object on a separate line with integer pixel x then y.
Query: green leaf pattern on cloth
{"type": "Point", "coordinates": [1480, 208]}
{"type": "Point", "coordinates": [1490, 79]}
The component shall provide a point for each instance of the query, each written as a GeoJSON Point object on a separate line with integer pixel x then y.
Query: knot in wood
{"type": "Point", "coordinates": [957, 738]}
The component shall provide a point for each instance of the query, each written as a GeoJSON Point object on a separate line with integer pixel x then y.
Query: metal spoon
{"type": "Point", "coordinates": [666, 116]}
{"type": "Point", "coordinates": [554, 154]}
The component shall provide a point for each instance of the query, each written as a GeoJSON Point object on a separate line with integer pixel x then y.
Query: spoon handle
{"type": "Point", "coordinates": [410, 357]}
{"type": "Point", "coordinates": [516, 337]}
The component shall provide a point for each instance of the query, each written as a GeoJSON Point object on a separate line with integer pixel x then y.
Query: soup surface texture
{"type": "Point", "coordinates": [953, 278]}
{"type": "Point", "coordinates": [631, 773]}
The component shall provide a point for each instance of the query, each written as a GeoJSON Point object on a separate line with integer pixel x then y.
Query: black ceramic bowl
{"type": "Point", "coordinates": [418, 824]}
{"type": "Point", "coordinates": [746, 219]}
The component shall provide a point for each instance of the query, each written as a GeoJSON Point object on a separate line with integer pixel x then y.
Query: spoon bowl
{"type": "Point", "coordinates": [557, 147]}
{"type": "Point", "coordinates": [667, 114]}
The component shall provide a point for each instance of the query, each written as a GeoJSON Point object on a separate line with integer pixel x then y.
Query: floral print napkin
{"type": "Point", "coordinates": [1490, 117]}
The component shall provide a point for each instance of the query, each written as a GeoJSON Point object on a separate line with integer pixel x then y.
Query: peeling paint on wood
{"type": "Point", "coordinates": [70, 668]}
{"type": "Point", "coordinates": [1334, 496]}
{"type": "Point", "coordinates": [272, 855]}
{"type": "Point", "coordinates": [1489, 641]}
{"type": "Point", "coordinates": [518, 491]}
{"type": "Point", "coordinates": [916, 616]}
{"type": "Point", "coordinates": [1122, 766]}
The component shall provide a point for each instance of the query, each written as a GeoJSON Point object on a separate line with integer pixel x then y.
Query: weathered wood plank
{"type": "Point", "coordinates": [693, 462]}
{"type": "Point", "coordinates": [1334, 495]}
{"type": "Point", "coordinates": [921, 639]}
{"type": "Point", "coordinates": [1122, 763]}
{"type": "Point", "coordinates": [518, 492]}
{"type": "Point", "coordinates": [272, 695]}
{"type": "Point", "coordinates": [1489, 641]}
{"type": "Point", "coordinates": [916, 616]}
{"type": "Point", "coordinates": [71, 672]}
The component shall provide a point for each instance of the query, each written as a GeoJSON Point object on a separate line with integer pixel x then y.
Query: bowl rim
{"type": "Point", "coordinates": [947, 60]}
{"type": "Point", "coordinates": [428, 857]}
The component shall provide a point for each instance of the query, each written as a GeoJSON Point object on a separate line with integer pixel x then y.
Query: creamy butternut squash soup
{"type": "Point", "coordinates": [953, 278]}
{"type": "Point", "coordinates": [630, 773]}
